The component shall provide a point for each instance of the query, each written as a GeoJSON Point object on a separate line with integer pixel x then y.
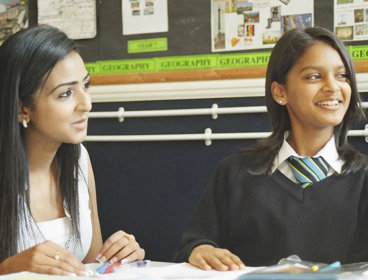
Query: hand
{"type": "Point", "coordinates": [120, 246]}
{"type": "Point", "coordinates": [207, 257]}
{"type": "Point", "coordinates": [48, 258]}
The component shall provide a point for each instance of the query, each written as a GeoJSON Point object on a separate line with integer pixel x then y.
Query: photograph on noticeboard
{"type": "Point", "coordinates": [254, 24]}
{"type": "Point", "coordinates": [351, 19]}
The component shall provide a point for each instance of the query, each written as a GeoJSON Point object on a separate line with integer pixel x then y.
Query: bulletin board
{"type": "Point", "coordinates": [184, 51]}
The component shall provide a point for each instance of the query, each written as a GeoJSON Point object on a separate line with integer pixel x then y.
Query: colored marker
{"type": "Point", "coordinates": [332, 266]}
{"type": "Point", "coordinates": [112, 267]}
{"type": "Point", "coordinates": [103, 267]}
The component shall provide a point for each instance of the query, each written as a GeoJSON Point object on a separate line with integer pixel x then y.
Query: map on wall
{"type": "Point", "coordinates": [13, 17]}
{"type": "Point", "coordinates": [77, 18]}
{"type": "Point", "coordinates": [255, 24]}
{"type": "Point", "coordinates": [351, 19]}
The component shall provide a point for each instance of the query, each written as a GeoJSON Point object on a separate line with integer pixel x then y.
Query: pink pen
{"type": "Point", "coordinates": [112, 267]}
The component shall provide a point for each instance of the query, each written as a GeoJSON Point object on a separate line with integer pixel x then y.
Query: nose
{"type": "Point", "coordinates": [84, 100]}
{"type": "Point", "coordinates": [331, 84]}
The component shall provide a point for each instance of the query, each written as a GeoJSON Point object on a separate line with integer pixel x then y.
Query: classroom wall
{"type": "Point", "coordinates": [151, 188]}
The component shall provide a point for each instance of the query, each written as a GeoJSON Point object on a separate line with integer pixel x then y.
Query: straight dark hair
{"type": "Point", "coordinates": [26, 60]}
{"type": "Point", "coordinates": [291, 46]}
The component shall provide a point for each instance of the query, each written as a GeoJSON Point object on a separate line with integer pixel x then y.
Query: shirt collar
{"type": "Point", "coordinates": [328, 152]}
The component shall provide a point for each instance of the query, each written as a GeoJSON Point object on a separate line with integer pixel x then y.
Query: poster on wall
{"type": "Point", "coordinates": [13, 17]}
{"type": "Point", "coordinates": [76, 18]}
{"type": "Point", "coordinates": [144, 16]}
{"type": "Point", "coordinates": [351, 19]}
{"type": "Point", "coordinates": [255, 24]}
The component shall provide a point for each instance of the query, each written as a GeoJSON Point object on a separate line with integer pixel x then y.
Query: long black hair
{"type": "Point", "coordinates": [26, 60]}
{"type": "Point", "coordinates": [291, 46]}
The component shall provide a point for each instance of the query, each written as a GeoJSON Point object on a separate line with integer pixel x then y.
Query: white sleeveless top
{"type": "Point", "coordinates": [59, 230]}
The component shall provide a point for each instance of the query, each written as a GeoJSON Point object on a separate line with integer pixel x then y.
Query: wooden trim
{"type": "Point", "coordinates": [361, 66]}
{"type": "Point", "coordinates": [179, 76]}
{"type": "Point", "coordinates": [194, 75]}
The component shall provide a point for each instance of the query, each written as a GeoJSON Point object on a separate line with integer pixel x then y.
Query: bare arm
{"type": "Point", "coordinates": [96, 229]}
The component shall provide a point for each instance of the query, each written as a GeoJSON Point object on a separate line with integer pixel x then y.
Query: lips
{"type": "Point", "coordinates": [81, 124]}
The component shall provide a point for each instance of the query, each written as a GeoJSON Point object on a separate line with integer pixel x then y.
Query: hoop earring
{"type": "Point", "coordinates": [24, 123]}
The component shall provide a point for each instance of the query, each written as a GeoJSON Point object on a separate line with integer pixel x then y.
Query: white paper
{"type": "Point", "coordinates": [144, 16]}
{"type": "Point", "coordinates": [154, 271]}
{"type": "Point", "coordinates": [182, 271]}
{"type": "Point", "coordinates": [77, 18]}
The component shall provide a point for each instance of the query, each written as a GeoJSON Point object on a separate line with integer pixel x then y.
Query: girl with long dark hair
{"type": "Point", "coordinates": [48, 212]}
{"type": "Point", "coordinates": [304, 189]}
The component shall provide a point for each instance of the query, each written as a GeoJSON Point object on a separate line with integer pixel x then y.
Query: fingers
{"type": "Point", "coordinates": [138, 254]}
{"type": "Point", "coordinates": [46, 257]}
{"type": "Point", "coordinates": [111, 240]}
{"type": "Point", "coordinates": [121, 246]}
{"type": "Point", "coordinates": [207, 257]}
{"type": "Point", "coordinates": [61, 260]}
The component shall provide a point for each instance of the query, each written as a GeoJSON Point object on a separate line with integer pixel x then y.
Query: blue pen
{"type": "Point", "coordinates": [138, 263]}
{"type": "Point", "coordinates": [332, 266]}
{"type": "Point", "coordinates": [141, 263]}
{"type": "Point", "coordinates": [103, 267]}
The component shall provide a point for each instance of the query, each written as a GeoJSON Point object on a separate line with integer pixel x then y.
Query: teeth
{"type": "Point", "coordinates": [328, 103]}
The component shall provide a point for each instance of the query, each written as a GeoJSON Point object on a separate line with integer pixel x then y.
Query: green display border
{"type": "Point", "coordinates": [195, 62]}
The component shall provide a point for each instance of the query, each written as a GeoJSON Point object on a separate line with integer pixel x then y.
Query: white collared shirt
{"type": "Point", "coordinates": [328, 152]}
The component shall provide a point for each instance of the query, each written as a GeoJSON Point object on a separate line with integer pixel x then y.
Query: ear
{"type": "Point", "coordinates": [24, 113]}
{"type": "Point", "coordinates": [279, 93]}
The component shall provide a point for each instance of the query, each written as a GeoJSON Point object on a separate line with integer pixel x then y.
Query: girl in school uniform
{"type": "Point", "coordinates": [304, 189]}
{"type": "Point", "coordinates": [48, 211]}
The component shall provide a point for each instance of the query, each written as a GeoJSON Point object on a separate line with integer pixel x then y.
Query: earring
{"type": "Point", "coordinates": [280, 101]}
{"type": "Point", "coordinates": [24, 122]}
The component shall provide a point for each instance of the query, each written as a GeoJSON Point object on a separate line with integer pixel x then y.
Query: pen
{"type": "Point", "coordinates": [112, 267]}
{"type": "Point", "coordinates": [141, 263]}
{"type": "Point", "coordinates": [332, 266]}
{"type": "Point", "coordinates": [103, 267]}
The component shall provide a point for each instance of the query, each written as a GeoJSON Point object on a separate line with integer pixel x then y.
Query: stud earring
{"type": "Point", "coordinates": [280, 101]}
{"type": "Point", "coordinates": [24, 122]}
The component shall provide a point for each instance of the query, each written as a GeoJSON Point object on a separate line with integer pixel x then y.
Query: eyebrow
{"type": "Point", "coordinates": [311, 67]}
{"type": "Point", "coordinates": [69, 83]}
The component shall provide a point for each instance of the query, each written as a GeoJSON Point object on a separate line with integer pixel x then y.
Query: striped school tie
{"type": "Point", "coordinates": [308, 170]}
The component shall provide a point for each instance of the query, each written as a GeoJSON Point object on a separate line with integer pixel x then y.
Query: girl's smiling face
{"type": "Point", "coordinates": [317, 92]}
{"type": "Point", "coordinates": [59, 111]}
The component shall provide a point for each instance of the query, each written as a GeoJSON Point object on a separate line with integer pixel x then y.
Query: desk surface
{"type": "Point", "coordinates": [157, 271]}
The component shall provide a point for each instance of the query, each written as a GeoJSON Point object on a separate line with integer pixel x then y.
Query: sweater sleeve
{"type": "Point", "coordinates": [208, 224]}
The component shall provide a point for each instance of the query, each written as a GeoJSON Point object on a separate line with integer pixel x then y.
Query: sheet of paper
{"type": "Point", "coordinates": [76, 18]}
{"type": "Point", "coordinates": [144, 16]}
{"type": "Point", "coordinates": [154, 271]}
{"type": "Point", "coordinates": [158, 270]}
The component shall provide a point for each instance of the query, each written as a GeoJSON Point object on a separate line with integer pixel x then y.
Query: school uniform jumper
{"type": "Point", "coordinates": [263, 218]}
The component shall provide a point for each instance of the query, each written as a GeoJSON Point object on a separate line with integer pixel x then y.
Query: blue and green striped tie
{"type": "Point", "coordinates": [308, 170]}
